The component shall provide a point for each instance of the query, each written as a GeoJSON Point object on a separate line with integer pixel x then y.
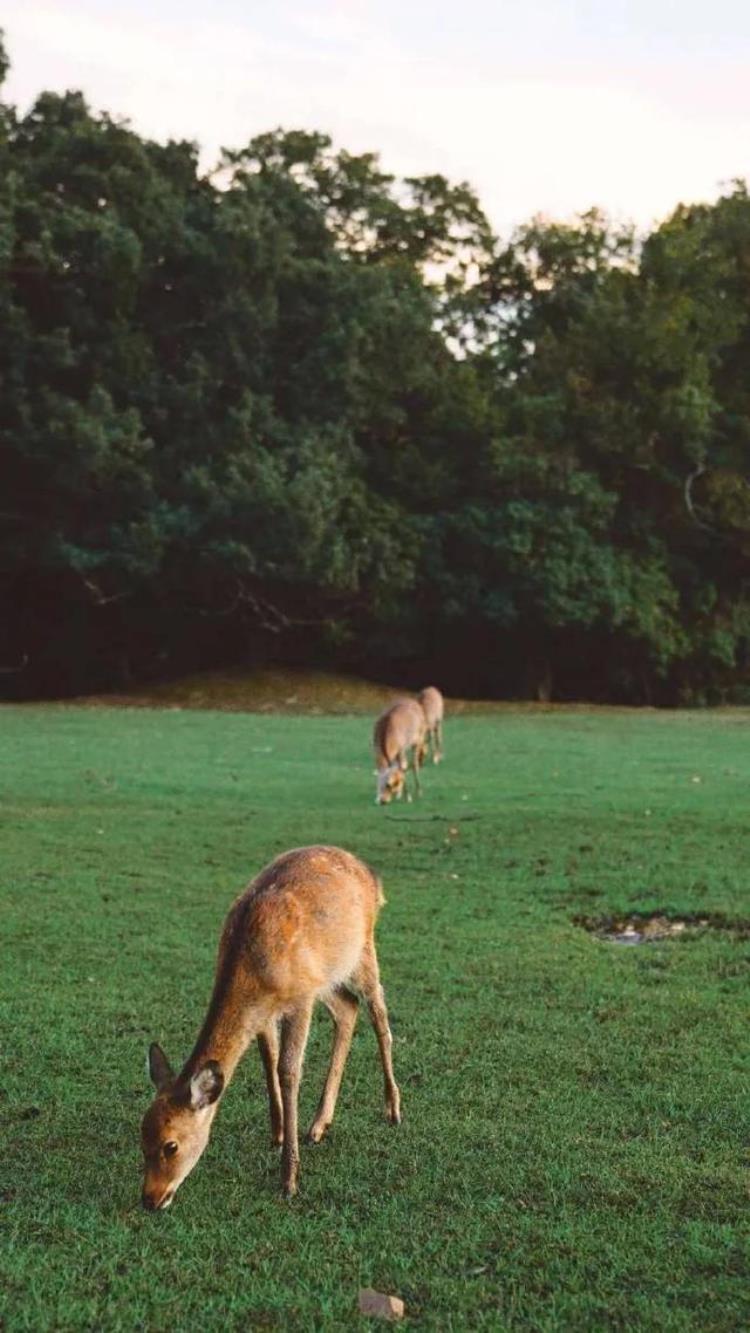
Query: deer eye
{"type": "Point", "coordinates": [170, 1148]}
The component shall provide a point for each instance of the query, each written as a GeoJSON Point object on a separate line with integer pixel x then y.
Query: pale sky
{"type": "Point", "coordinates": [546, 106]}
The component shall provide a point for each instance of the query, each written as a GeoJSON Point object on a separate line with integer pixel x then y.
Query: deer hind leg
{"type": "Point", "coordinates": [438, 748]}
{"type": "Point", "coordinates": [268, 1045]}
{"type": "Point", "coordinates": [294, 1032]}
{"type": "Point", "coordinates": [367, 980]}
{"type": "Point", "coordinates": [343, 1006]}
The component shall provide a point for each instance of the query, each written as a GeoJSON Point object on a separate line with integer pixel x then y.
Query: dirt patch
{"type": "Point", "coordinates": [654, 927]}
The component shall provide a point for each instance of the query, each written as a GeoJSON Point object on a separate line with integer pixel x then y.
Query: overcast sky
{"type": "Point", "coordinates": [544, 105]}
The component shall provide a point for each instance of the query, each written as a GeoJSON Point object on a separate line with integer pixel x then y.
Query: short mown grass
{"type": "Point", "coordinates": [576, 1114]}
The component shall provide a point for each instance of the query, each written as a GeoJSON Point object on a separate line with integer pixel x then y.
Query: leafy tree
{"type": "Point", "coordinates": [300, 407]}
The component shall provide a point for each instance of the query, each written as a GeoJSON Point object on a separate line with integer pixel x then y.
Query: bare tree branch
{"type": "Point", "coordinates": [100, 598]}
{"type": "Point", "coordinates": [688, 493]}
{"type": "Point", "coordinates": [268, 615]}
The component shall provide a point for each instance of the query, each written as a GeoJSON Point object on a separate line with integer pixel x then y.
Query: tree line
{"type": "Point", "coordinates": [296, 409]}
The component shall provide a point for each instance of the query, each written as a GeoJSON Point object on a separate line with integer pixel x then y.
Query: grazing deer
{"type": "Point", "coordinates": [433, 708]}
{"type": "Point", "coordinates": [303, 930]}
{"type": "Point", "coordinates": [398, 731]}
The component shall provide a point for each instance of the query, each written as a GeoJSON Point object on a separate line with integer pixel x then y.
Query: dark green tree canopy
{"type": "Point", "coordinates": [298, 407]}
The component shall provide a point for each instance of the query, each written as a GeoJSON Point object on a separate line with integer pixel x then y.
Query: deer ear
{"type": "Point", "coordinates": [159, 1068]}
{"type": "Point", "coordinates": [206, 1086]}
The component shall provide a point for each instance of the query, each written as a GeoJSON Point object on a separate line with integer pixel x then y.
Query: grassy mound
{"type": "Point", "coordinates": [281, 690]}
{"type": "Point", "coordinates": [302, 692]}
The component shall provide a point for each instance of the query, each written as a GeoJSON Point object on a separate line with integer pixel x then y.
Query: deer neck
{"type": "Point", "coordinates": [236, 1015]}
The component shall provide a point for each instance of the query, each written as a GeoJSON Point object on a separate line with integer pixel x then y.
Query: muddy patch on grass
{"type": "Point", "coordinates": [655, 927]}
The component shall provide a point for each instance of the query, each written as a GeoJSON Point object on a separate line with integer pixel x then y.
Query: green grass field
{"type": "Point", "coordinates": [576, 1114]}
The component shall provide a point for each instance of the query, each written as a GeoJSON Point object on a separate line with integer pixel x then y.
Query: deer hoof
{"type": "Point", "coordinates": [315, 1133]}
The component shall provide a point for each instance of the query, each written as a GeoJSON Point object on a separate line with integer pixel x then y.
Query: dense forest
{"type": "Point", "coordinates": [298, 410]}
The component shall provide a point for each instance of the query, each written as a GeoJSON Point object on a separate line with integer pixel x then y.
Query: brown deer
{"type": "Point", "coordinates": [398, 740]}
{"type": "Point", "coordinates": [303, 930]}
{"type": "Point", "coordinates": [433, 707]}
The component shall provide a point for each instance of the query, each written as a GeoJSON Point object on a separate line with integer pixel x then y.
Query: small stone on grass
{"type": "Point", "coordinates": [376, 1303]}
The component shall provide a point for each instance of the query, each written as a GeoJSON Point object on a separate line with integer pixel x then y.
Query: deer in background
{"type": "Point", "coordinates": [303, 930]}
{"type": "Point", "coordinates": [398, 740]}
{"type": "Point", "coordinates": [433, 707]}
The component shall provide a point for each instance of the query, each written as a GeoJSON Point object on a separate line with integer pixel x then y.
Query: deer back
{"type": "Point", "coordinates": [398, 727]}
{"type": "Point", "coordinates": [301, 925]}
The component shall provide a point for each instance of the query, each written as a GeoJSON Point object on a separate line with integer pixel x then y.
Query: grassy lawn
{"type": "Point", "coordinates": [576, 1113]}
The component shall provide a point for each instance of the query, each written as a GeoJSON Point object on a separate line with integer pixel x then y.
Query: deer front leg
{"type": "Point", "coordinates": [415, 756]}
{"type": "Point", "coordinates": [294, 1032]}
{"type": "Point", "coordinates": [268, 1045]}
{"type": "Point", "coordinates": [403, 763]}
{"type": "Point", "coordinates": [343, 1006]}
